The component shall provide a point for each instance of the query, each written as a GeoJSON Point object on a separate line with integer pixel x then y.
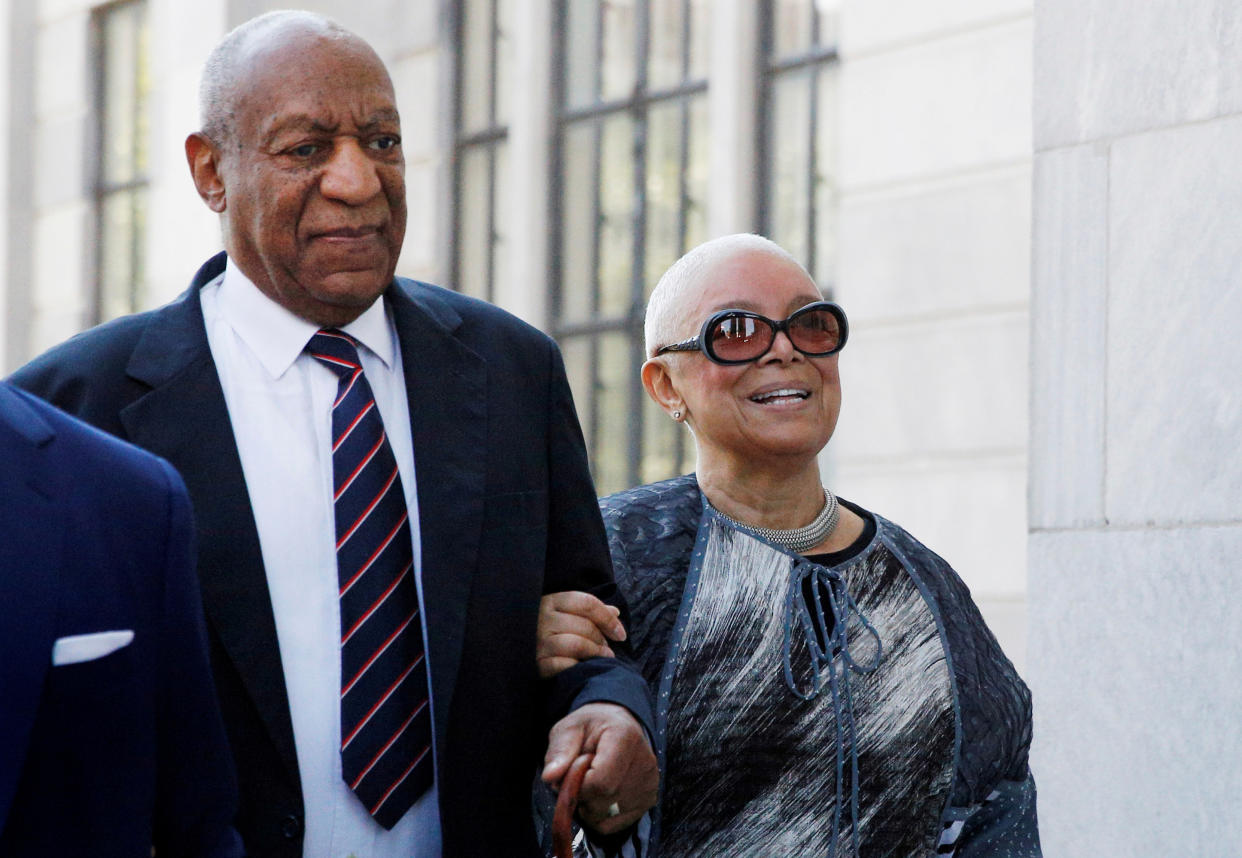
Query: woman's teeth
{"type": "Point", "coordinates": [783, 393]}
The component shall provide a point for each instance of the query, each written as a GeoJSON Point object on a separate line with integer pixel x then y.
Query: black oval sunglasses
{"type": "Point", "coordinates": [732, 337]}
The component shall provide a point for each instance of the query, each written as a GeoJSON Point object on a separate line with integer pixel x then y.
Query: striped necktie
{"type": "Point", "coordinates": [385, 714]}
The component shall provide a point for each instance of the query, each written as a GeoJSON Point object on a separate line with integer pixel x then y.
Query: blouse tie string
{"type": "Point", "coordinates": [798, 613]}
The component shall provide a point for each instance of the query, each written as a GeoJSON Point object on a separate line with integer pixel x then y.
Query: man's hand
{"type": "Point", "coordinates": [624, 770]}
{"type": "Point", "coordinates": [573, 627]}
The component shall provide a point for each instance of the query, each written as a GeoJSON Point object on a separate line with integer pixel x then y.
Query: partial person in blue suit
{"type": "Point", "coordinates": [110, 735]}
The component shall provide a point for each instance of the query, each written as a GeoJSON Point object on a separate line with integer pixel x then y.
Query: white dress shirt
{"type": "Point", "coordinates": [280, 404]}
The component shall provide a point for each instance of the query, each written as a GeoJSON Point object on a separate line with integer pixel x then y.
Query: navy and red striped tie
{"type": "Point", "coordinates": [385, 716]}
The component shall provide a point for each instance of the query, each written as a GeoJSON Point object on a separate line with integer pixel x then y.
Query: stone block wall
{"type": "Point", "coordinates": [1136, 405]}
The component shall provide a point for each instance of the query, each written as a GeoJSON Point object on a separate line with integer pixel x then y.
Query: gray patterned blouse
{"type": "Point", "coordinates": [856, 709]}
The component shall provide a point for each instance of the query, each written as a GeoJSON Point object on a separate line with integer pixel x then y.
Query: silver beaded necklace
{"type": "Point", "coordinates": [800, 539]}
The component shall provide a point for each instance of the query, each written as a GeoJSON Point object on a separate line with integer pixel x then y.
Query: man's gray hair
{"type": "Point", "coordinates": [673, 295]}
{"type": "Point", "coordinates": [218, 89]}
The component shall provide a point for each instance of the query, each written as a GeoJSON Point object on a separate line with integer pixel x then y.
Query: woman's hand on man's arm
{"type": "Point", "coordinates": [573, 627]}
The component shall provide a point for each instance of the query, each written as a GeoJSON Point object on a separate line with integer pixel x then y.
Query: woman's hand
{"type": "Point", "coordinates": [573, 627]}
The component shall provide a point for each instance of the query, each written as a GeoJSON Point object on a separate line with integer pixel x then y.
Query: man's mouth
{"type": "Point", "coordinates": [783, 394]}
{"type": "Point", "coordinates": [347, 232]}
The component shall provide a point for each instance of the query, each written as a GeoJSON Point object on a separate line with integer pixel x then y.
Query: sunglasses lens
{"type": "Point", "coordinates": [816, 332]}
{"type": "Point", "coordinates": [739, 338]}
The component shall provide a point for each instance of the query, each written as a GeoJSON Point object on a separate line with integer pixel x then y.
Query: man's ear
{"type": "Point", "coordinates": [661, 388]}
{"type": "Point", "coordinates": [204, 160]}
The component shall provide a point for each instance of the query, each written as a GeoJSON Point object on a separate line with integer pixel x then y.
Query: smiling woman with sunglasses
{"type": "Point", "coordinates": [824, 684]}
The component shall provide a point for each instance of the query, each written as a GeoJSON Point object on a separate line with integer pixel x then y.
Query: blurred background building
{"type": "Point", "coordinates": [946, 169]}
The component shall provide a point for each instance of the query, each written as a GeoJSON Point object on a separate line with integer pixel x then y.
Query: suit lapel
{"type": "Point", "coordinates": [185, 420]}
{"type": "Point", "coordinates": [30, 556]}
{"type": "Point", "coordinates": [447, 385]}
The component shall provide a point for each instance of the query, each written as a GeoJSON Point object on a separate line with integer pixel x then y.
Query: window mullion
{"type": "Point", "coordinates": [812, 170]}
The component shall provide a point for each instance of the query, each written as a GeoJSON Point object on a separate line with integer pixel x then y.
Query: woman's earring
{"type": "Point", "coordinates": [677, 416]}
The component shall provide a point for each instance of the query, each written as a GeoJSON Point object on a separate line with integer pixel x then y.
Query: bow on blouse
{"type": "Point", "coordinates": [809, 616]}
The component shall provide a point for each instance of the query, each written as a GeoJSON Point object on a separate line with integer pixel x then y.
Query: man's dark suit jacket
{"type": "Point", "coordinates": [507, 512]}
{"type": "Point", "coordinates": [106, 752]}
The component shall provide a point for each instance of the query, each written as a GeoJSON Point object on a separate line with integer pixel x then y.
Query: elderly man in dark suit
{"type": "Point", "coordinates": [386, 478]}
{"type": "Point", "coordinates": [111, 736]}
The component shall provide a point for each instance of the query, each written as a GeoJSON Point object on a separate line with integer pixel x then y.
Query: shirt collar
{"type": "Point", "coordinates": [277, 336]}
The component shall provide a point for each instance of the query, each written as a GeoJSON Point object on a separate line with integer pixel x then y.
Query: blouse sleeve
{"type": "Point", "coordinates": [1004, 826]}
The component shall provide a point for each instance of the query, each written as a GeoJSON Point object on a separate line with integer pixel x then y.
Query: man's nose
{"type": "Point", "coordinates": [349, 175]}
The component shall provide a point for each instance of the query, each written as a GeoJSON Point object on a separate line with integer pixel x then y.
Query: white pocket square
{"type": "Point", "coordinates": [78, 648]}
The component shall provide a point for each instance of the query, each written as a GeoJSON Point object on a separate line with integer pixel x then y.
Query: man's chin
{"type": "Point", "coordinates": [339, 298]}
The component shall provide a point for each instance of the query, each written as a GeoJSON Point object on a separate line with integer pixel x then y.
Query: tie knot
{"type": "Point", "coordinates": [335, 349]}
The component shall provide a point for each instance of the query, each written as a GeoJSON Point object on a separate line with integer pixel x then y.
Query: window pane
{"type": "Point", "coordinates": [792, 27]}
{"type": "Point", "coordinates": [581, 56]}
{"type": "Point", "coordinates": [700, 38]}
{"type": "Point", "coordinates": [503, 59]}
{"type": "Point", "coordinates": [826, 178]}
{"type": "Point", "coordinates": [476, 64]}
{"type": "Point", "coordinates": [472, 231]}
{"type": "Point", "coordinates": [613, 426]}
{"type": "Point", "coordinates": [123, 219]}
{"type": "Point", "coordinates": [667, 211]}
{"type": "Point", "coordinates": [616, 240]}
{"type": "Point", "coordinates": [789, 167]}
{"type": "Point", "coordinates": [122, 95]}
{"type": "Point", "coordinates": [829, 12]}
{"type": "Point", "coordinates": [577, 354]}
{"type": "Point", "coordinates": [142, 82]}
{"type": "Point", "coordinates": [618, 62]}
{"type": "Point", "coordinates": [697, 168]}
{"type": "Point", "coordinates": [577, 222]}
{"type": "Point", "coordinates": [668, 44]}
{"type": "Point", "coordinates": [664, 152]}
{"type": "Point", "coordinates": [500, 216]}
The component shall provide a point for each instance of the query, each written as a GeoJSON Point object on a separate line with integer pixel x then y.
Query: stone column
{"type": "Point", "coordinates": [733, 101]}
{"type": "Point", "coordinates": [16, 101]}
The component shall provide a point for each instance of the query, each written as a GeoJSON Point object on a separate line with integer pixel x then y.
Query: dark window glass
{"type": "Point", "coordinates": [630, 179]}
{"type": "Point", "coordinates": [480, 165]}
{"type": "Point", "coordinates": [798, 109]}
{"type": "Point", "coordinates": [123, 86]}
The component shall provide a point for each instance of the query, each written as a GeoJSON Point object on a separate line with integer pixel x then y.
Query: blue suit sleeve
{"type": "Point", "coordinates": [196, 785]}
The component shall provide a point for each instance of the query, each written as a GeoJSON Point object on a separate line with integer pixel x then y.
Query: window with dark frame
{"type": "Point", "coordinates": [122, 90]}
{"type": "Point", "coordinates": [480, 163]}
{"type": "Point", "coordinates": [798, 190]}
{"type": "Point", "coordinates": [629, 186]}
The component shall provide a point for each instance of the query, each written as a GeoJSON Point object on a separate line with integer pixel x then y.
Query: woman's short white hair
{"type": "Point", "coordinates": [673, 295]}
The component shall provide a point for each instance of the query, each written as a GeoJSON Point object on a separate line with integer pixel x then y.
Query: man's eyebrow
{"type": "Point", "coordinates": [381, 117]}
{"type": "Point", "coordinates": [298, 122]}
{"type": "Point", "coordinates": [306, 122]}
